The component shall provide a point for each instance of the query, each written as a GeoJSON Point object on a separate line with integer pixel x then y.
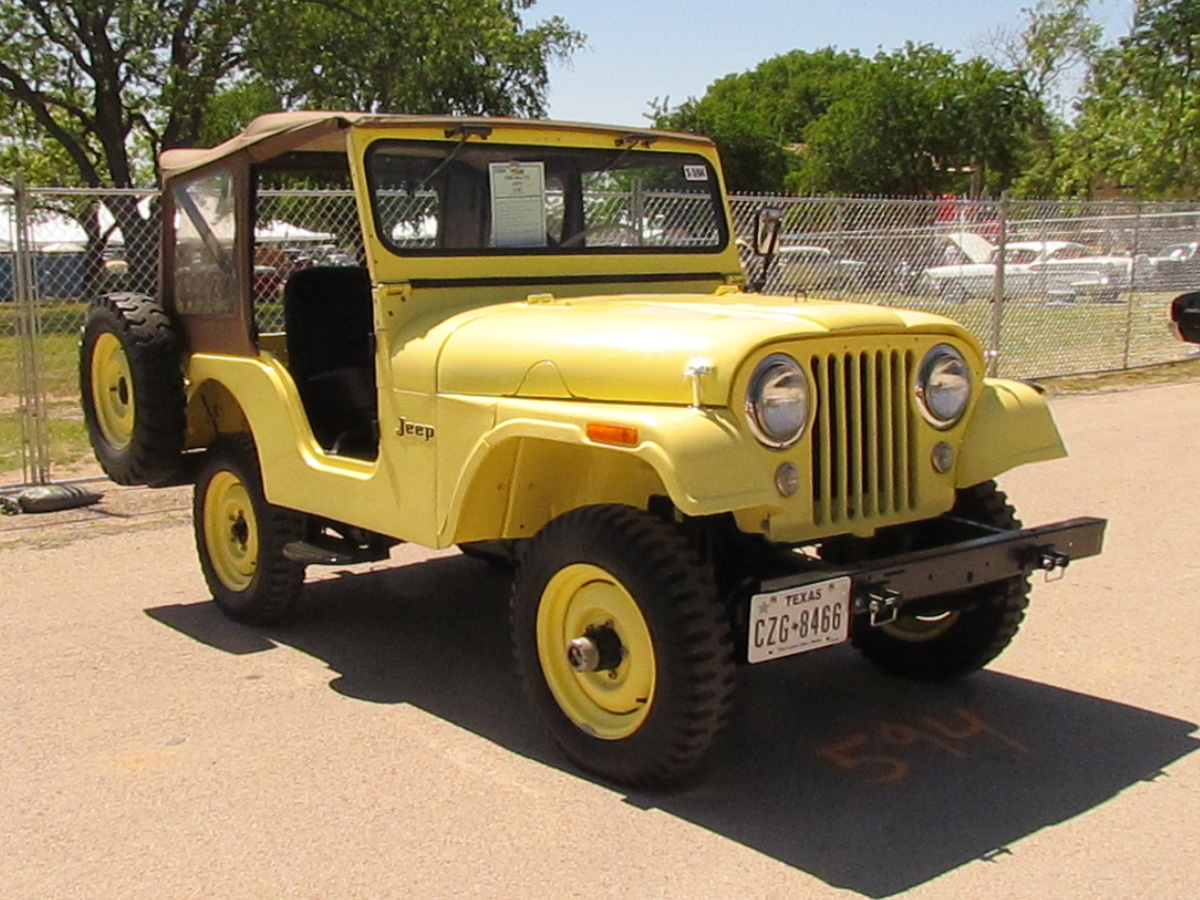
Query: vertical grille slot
{"type": "Point", "coordinates": [862, 436]}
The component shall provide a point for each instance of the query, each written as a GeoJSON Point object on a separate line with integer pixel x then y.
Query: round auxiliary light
{"type": "Point", "coordinates": [777, 401]}
{"type": "Point", "coordinates": [942, 457]}
{"type": "Point", "coordinates": [943, 386]}
{"type": "Point", "coordinates": [787, 479]}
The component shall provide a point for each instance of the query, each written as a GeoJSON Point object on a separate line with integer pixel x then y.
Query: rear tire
{"type": "Point", "coordinates": [131, 386]}
{"type": "Point", "coordinates": [240, 537]}
{"type": "Point", "coordinates": [973, 627]}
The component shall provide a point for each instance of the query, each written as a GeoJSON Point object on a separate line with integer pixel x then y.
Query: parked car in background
{"type": "Point", "coordinates": [1174, 267]}
{"type": "Point", "coordinates": [811, 267]}
{"type": "Point", "coordinates": [1033, 268]}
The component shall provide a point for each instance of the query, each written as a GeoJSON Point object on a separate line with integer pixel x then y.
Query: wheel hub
{"type": "Point", "coordinates": [599, 649]}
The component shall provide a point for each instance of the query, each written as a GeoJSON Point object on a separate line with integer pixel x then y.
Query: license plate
{"type": "Point", "coordinates": [799, 619]}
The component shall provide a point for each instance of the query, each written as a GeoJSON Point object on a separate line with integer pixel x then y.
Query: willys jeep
{"type": "Point", "coordinates": [544, 350]}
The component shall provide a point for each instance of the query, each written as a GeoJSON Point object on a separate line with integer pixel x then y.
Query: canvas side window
{"type": "Point", "coordinates": [206, 272]}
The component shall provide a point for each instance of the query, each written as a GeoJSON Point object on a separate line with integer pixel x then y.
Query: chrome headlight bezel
{"type": "Point", "coordinates": [944, 373]}
{"type": "Point", "coordinates": [775, 377]}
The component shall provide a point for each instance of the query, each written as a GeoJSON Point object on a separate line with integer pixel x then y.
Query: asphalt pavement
{"type": "Point", "coordinates": [378, 746]}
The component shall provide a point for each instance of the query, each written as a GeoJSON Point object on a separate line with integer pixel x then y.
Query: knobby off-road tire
{"type": "Point", "coordinates": [131, 385]}
{"type": "Point", "coordinates": [649, 720]}
{"type": "Point", "coordinates": [240, 537]}
{"type": "Point", "coordinates": [944, 644]}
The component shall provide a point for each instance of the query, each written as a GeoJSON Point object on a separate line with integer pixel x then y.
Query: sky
{"type": "Point", "coordinates": [640, 50]}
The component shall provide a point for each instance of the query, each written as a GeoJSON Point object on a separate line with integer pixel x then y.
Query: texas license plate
{"type": "Point", "coordinates": [798, 619]}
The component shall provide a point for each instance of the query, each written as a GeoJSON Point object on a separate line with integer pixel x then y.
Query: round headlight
{"type": "Point", "coordinates": [943, 386]}
{"type": "Point", "coordinates": [777, 401]}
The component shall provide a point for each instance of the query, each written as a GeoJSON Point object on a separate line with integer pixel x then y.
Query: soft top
{"type": "Point", "coordinates": [275, 133]}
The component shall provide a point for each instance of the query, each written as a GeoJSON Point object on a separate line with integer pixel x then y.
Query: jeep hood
{"type": "Point", "coordinates": [635, 348]}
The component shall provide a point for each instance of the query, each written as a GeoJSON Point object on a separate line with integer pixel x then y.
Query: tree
{"type": "Point", "coordinates": [757, 118]}
{"type": "Point", "coordinates": [1059, 39]}
{"type": "Point", "coordinates": [916, 122]}
{"type": "Point", "coordinates": [107, 84]}
{"type": "Point", "coordinates": [1139, 125]}
{"type": "Point", "coordinates": [453, 56]}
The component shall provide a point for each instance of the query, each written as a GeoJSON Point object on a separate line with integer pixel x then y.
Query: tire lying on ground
{"type": "Point", "coordinates": [131, 385]}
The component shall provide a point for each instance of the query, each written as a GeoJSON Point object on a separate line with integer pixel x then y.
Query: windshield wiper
{"type": "Point", "coordinates": [464, 133]}
{"type": "Point", "coordinates": [630, 142]}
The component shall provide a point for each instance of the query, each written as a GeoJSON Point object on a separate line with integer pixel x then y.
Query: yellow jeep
{"type": "Point", "coordinates": [537, 343]}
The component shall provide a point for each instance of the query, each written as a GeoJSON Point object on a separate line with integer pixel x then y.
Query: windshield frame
{"type": "Point", "coordinates": [458, 152]}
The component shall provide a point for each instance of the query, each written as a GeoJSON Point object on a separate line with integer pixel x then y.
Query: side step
{"type": "Point", "coordinates": [332, 553]}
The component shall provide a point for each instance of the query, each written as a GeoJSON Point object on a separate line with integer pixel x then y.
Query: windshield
{"type": "Point", "coordinates": [478, 198]}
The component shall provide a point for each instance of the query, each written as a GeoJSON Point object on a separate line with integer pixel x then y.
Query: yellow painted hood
{"type": "Point", "coordinates": [635, 348]}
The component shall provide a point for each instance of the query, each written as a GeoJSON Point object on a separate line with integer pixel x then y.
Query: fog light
{"type": "Point", "coordinates": [787, 479]}
{"type": "Point", "coordinates": [942, 457]}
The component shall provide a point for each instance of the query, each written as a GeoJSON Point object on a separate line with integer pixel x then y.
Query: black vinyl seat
{"type": "Point", "coordinates": [328, 317]}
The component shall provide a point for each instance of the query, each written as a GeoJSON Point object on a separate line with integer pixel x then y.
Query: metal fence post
{"type": "Point", "coordinates": [35, 443]}
{"type": "Point", "coordinates": [998, 290]}
{"type": "Point", "coordinates": [1133, 255]}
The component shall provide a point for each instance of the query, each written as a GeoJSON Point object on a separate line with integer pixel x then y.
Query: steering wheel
{"type": "Point", "coordinates": [614, 227]}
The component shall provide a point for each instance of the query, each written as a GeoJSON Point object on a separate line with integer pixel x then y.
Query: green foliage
{"type": "Point", "coordinates": [455, 56]}
{"type": "Point", "coordinates": [757, 118]}
{"type": "Point", "coordinates": [1059, 36]}
{"type": "Point", "coordinates": [92, 90]}
{"type": "Point", "coordinates": [105, 83]}
{"type": "Point", "coordinates": [230, 110]}
{"type": "Point", "coordinates": [1139, 126]}
{"type": "Point", "coordinates": [915, 121]}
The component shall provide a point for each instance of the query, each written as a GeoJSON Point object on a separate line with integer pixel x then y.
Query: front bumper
{"type": "Point", "coordinates": [882, 588]}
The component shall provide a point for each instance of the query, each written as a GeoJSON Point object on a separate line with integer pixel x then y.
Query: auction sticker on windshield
{"type": "Point", "coordinates": [798, 619]}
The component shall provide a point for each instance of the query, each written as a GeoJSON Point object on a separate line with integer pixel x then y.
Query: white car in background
{"type": "Point", "coordinates": [810, 267]}
{"type": "Point", "coordinates": [1033, 268]}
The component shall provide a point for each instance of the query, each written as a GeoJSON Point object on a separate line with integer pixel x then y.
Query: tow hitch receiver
{"type": "Point", "coordinates": [883, 605]}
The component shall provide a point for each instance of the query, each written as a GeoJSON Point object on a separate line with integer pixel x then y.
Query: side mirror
{"type": "Point", "coordinates": [767, 222]}
{"type": "Point", "coordinates": [1185, 316]}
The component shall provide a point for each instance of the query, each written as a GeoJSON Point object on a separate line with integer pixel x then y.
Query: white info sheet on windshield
{"type": "Point", "coordinates": [518, 204]}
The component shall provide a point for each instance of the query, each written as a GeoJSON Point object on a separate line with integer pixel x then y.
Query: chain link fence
{"type": "Point", "coordinates": [1048, 288]}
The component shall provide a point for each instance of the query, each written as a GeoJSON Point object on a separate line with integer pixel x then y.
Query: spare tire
{"type": "Point", "coordinates": [131, 383]}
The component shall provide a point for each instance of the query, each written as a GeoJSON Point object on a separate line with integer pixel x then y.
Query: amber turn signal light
{"type": "Point", "coordinates": [621, 435]}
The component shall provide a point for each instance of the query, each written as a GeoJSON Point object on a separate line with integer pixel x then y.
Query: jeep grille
{"type": "Point", "coordinates": [862, 440]}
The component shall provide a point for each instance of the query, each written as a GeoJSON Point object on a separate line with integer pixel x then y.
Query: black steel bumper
{"type": "Point", "coordinates": [882, 587]}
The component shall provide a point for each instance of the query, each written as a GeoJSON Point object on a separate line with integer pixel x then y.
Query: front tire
{"type": "Point", "coordinates": [970, 628]}
{"type": "Point", "coordinates": [240, 537]}
{"type": "Point", "coordinates": [662, 691]}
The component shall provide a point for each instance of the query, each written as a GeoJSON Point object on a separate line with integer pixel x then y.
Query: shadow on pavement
{"type": "Point", "coordinates": [870, 783]}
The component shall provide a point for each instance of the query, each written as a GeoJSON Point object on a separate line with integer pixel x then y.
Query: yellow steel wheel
{"type": "Point", "coordinates": [622, 643]}
{"type": "Point", "coordinates": [921, 628]}
{"type": "Point", "coordinates": [609, 703]}
{"type": "Point", "coordinates": [112, 391]}
{"type": "Point", "coordinates": [242, 539]}
{"type": "Point", "coordinates": [230, 531]}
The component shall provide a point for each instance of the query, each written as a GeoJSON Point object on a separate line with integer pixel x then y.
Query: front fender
{"type": "Point", "coordinates": [1010, 426]}
{"type": "Point", "coordinates": [537, 461]}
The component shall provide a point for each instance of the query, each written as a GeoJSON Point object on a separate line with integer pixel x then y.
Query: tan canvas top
{"type": "Point", "coordinates": [275, 133]}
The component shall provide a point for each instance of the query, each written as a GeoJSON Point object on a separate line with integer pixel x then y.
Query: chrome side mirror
{"type": "Point", "coordinates": [767, 222]}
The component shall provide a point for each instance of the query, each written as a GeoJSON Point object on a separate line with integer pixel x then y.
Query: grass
{"type": "Point", "coordinates": [65, 429]}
